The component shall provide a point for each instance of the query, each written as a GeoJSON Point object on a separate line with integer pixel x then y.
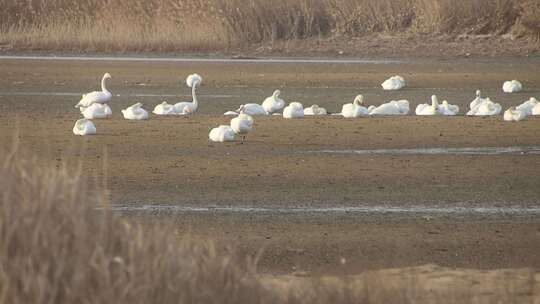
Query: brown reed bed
{"type": "Point", "coordinates": [216, 25]}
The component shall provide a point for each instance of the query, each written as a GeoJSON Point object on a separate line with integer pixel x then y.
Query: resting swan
{"type": "Point", "coordinates": [512, 86]}
{"type": "Point", "coordinates": [315, 110]}
{"type": "Point", "coordinates": [103, 96]}
{"type": "Point", "coordinates": [135, 112]}
{"type": "Point", "coordinates": [487, 108]}
{"type": "Point", "coordinates": [428, 109]}
{"type": "Point", "coordinates": [189, 107]}
{"type": "Point", "coordinates": [355, 109]}
{"type": "Point", "coordinates": [399, 107]}
{"type": "Point", "coordinates": [164, 109]}
{"type": "Point", "coordinates": [252, 109]}
{"type": "Point", "coordinates": [96, 111]}
{"type": "Point", "coordinates": [273, 103]}
{"type": "Point", "coordinates": [222, 133]}
{"type": "Point", "coordinates": [476, 103]}
{"type": "Point", "coordinates": [514, 114]}
{"type": "Point", "coordinates": [84, 126]}
{"type": "Point", "coordinates": [393, 83]}
{"type": "Point", "coordinates": [447, 109]}
{"type": "Point", "coordinates": [528, 106]}
{"type": "Point", "coordinates": [293, 110]}
{"type": "Point", "coordinates": [242, 124]}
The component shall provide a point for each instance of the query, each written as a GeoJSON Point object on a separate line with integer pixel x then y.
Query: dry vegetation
{"type": "Point", "coordinates": [57, 247]}
{"type": "Point", "coordinates": [206, 25]}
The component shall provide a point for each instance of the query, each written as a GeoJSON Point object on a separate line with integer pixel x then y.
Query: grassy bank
{"type": "Point", "coordinates": [55, 247]}
{"type": "Point", "coordinates": [216, 25]}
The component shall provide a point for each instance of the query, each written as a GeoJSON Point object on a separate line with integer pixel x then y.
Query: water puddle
{"type": "Point", "coordinates": [209, 60]}
{"type": "Point", "coordinates": [438, 151]}
{"type": "Point", "coordinates": [413, 210]}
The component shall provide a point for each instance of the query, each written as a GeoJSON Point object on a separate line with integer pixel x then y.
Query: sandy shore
{"type": "Point", "coordinates": [170, 161]}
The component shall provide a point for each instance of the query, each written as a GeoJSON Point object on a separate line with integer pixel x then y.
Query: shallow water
{"type": "Point", "coordinates": [438, 151]}
{"type": "Point", "coordinates": [420, 210]}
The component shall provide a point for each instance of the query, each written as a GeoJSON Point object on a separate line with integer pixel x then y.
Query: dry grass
{"type": "Point", "coordinates": [56, 247]}
{"type": "Point", "coordinates": [207, 25]}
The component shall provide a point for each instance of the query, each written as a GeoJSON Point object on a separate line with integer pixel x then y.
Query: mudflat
{"type": "Point", "coordinates": [308, 164]}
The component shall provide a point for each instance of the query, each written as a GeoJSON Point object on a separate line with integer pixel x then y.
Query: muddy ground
{"type": "Point", "coordinates": [168, 160]}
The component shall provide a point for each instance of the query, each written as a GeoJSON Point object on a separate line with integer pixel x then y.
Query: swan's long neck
{"type": "Point", "coordinates": [103, 87]}
{"type": "Point", "coordinates": [434, 101]}
{"type": "Point", "coordinates": [194, 94]}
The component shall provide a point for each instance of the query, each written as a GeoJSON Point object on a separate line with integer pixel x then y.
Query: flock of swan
{"type": "Point", "coordinates": [94, 105]}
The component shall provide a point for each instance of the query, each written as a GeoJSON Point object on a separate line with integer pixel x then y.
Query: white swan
{"type": "Point", "coordinates": [393, 83]}
{"type": "Point", "coordinates": [486, 108]}
{"type": "Point", "coordinates": [84, 126]}
{"type": "Point", "coordinates": [514, 114]}
{"type": "Point", "coordinates": [96, 111]}
{"type": "Point", "coordinates": [189, 107]}
{"type": "Point", "coordinates": [528, 106]}
{"type": "Point", "coordinates": [355, 109]}
{"type": "Point", "coordinates": [536, 109]}
{"type": "Point", "coordinates": [448, 109]}
{"type": "Point", "coordinates": [103, 96]}
{"type": "Point", "coordinates": [164, 109]}
{"type": "Point", "coordinates": [222, 133]}
{"type": "Point", "coordinates": [425, 109]}
{"type": "Point", "coordinates": [315, 110]}
{"type": "Point", "coordinates": [135, 112]}
{"type": "Point", "coordinates": [293, 110]}
{"type": "Point", "coordinates": [273, 103]}
{"type": "Point", "coordinates": [512, 86]}
{"type": "Point", "coordinates": [242, 124]}
{"type": "Point", "coordinates": [252, 109]}
{"type": "Point", "coordinates": [399, 107]}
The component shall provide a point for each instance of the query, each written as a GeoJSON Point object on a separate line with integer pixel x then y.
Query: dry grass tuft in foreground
{"type": "Point", "coordinates": [55, 247]}
{"type": "Point", "coordinates": [210, 25]}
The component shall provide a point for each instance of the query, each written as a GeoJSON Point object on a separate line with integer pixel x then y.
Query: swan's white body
{"type": "Point", "coordinates": [103, 96]}
{"type": "Point", "coordinates": [293, 110]}
{"type": "Point", "coordinates": [536, 109]}
{"type": "Point", "coordinates": [399, 107]}
{"type": "Point", "coordinates": [483, 106]}
{"type": "Point", "coordinates": [84, 127]}
{"type": "Point", "coordinates": [315, 110]}
{"type": "Point", "coordinates": [253, 109]}
{"type": "Point", "coordinates": [447, 109]}
{"type": "Point", "coordinates": [96, 111]}
{"type": "Point", "coordinates": [189, 107]}
{"type": "Point", "coordinates": [487, 108]}
{"type": "Point", "coordinates": [512, 86]}
{"type": "Point", "coordinates": [393, 83]}
{"type": "Point", "coordinates": [222, 133]}
{"type": "Point", "coordinates": [242, 124]}
{"type": "Point", "coordinates": [135, 112]}
{"type": "Point", "coordinates": [273, 103]}
{"type": "Point", "coordinates": [425, 109]}
{"type": "Point", "coordinates": [528, 106]}
{"type": "Point", "coordinates": [355, 109]}
{"type": "Point", "coordinates": [514, 114]}
{"type": "Point", "coordinates": [164, 109]}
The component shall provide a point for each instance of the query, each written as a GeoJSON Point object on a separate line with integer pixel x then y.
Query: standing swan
{"type": "Point", "coordinates": [273, 103]}
{"type": "Point", "coordinates": [183, 108]}
{"type": "Point", "coordinates": [242, 124]}
{"type": "Point", "coordinates": [103, 96]}
{"type": "Point", "coordinates": [355, 109]}
{"type": "Point", "coordinates": [84, 126]}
